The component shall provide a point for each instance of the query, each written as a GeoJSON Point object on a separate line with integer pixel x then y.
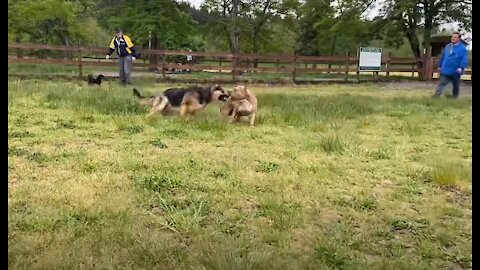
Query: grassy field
{"type": "Point", "coordinates": [332, 177]}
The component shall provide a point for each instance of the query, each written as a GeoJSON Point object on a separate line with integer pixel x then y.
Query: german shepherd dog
{"type": "Point", "coordinates": [241, 102]}
{"type": "Point", "coordinates": [188, 100]}
{"type": "Point", "coordinates": [92, 80]}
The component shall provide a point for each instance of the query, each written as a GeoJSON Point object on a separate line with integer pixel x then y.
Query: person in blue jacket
{"type": "Point", "coordinates": [451, 65]}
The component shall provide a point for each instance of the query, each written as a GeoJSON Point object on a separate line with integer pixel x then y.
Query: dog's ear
{"type": "Point", "coordinates": [218, 87]}
{"type": "Point", "coordinates": [245, 90]}
{"type": "Point", "coordinates": [237, 88]}
{"type": "Point", "coordinates": [239, 92]}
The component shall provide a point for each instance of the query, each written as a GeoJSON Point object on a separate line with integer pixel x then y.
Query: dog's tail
{"type": "Point", "coordinates": [137, 94]}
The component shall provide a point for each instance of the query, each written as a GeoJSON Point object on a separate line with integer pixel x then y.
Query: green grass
{"type": "Point", "coordinates": [331, 177]}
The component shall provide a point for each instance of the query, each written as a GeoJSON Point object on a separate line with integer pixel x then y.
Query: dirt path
{"type": "Point", "coordinates": [465, 88]}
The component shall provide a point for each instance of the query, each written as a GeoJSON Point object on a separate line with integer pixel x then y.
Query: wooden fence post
{"type": "Point", "coordinates": [387, 66]}
{"type": "Point", "coordinates": [80, 71]}
{"type": "Point", "coordinates": [358, 64]}
{"type": "Point", "coordinates": [430, 66]}
{"type": "Point", "coordinates": [419, 64]}
{"type": "Point", "coordinates": [347, 65]}
{"type": "Point", "coordinates": [163, 64]}
{"type": "Point", "coordinates": [234, 65]}
{"type": "Point", "coordinates": [427, 68]}
{"type": "Point", "coordinates": [294, 75]}
{"type": "Point", "coordinates": [220, 63]}
{"type": "Point", "coordinates": [18, 50]}
{"type": "Point", "coordinates": [413, 69]}
{"type": "Point", "coordinates": [424, 67]}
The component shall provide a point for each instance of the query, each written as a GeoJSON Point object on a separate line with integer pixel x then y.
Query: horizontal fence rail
{"type": "Point", "coordinates": [235, 64]}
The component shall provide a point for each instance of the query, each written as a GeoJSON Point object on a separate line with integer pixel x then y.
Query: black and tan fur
{"type": "Point", "coordinates": [188, 100]}
{"type": "Point", "coordinates": [241, 102]}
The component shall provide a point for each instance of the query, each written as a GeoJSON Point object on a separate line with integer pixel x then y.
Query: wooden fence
{"type": "Point", "coordinates": [236, 64]}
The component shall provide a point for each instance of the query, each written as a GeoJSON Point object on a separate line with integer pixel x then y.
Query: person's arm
{"type": "Point", "coordinates": [111, 48]}
{"type": "Point", "coordinates": [130, 46]}
{"type": "Point", "coordinates": [442, 56]}
{"type": "Point", "coordinates": [464, 62]}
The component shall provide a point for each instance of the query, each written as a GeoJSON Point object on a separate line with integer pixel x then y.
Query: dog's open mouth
{"type": "Point", "coordinates": [223, 97]}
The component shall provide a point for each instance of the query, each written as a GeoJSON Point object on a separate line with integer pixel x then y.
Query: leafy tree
{"type": "Point", "coordinates": [279, 36]}
{"type": "Point", "coordinates": [46, 20]}
{"type": "Point", "coordinates": [54, 21]}
{"type": "Point", "coordinates": [230, 20]}
{"type": "Point", "coordinates": [332, 27]}
{"type": "Point", "coordinates": [414, 18]}
{"type": "Point", "coordinates": [315, 15]}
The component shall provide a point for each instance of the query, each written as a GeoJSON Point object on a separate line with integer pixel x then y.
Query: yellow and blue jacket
{"type": "Point", "coordinates": [123, 46]}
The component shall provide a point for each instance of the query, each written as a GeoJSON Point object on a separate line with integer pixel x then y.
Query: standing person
{"type": "Point", "coordinates": [189, 57]}
{"type": "Point", "coordinates": [126, 55]}
{"type": "Point", "coordinates": [451, 65]}
{"type": "Point", "coordinates": [189, 60]}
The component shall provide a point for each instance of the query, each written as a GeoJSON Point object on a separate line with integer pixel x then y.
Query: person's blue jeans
{"type": "Point", "coordinates": [444, 80]}
{"type": "Point", "coordinates": [125, 69]}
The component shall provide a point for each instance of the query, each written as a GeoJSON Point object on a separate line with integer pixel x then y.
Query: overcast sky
{"type": "Point", "coordinates": [195, 3]}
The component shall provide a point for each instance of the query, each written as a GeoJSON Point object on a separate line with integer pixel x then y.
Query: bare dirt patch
{"type": "Point", "coordinates": [465, 87]}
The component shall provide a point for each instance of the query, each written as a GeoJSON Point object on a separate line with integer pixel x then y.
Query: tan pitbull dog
{"type": "Point", "coordinates": [241, 102]}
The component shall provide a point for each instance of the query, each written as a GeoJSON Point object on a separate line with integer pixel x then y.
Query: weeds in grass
{"type": "Point", "coordinates": [451, 172]}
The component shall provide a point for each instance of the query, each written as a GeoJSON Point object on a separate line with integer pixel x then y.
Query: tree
{"type": "Point", "coordinates": [230, 21]}
{"type": "Point", "coordinates": [330, 27]}
{"type": "Point", "coordinates": [46, 21]}
{"type": "Point", "coordinates": [260, 12]}
{"type": "Point", "coordinates": [416, 18]}
{"type": "Point", "coordinates": [278, 35]}
{"type": "Point", "coordinates": [314, 15]}
{"type": "Point", "coordinates": [53, 21]}
{"type": "Point", "coordinates": [206, 28]}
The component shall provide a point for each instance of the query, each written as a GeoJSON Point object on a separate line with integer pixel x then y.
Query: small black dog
{"type": "Point", "coordinates": [92, 80]}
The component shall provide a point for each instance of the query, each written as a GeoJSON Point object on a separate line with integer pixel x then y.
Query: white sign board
{"type": "Point", "coordinates": [370, 59]}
